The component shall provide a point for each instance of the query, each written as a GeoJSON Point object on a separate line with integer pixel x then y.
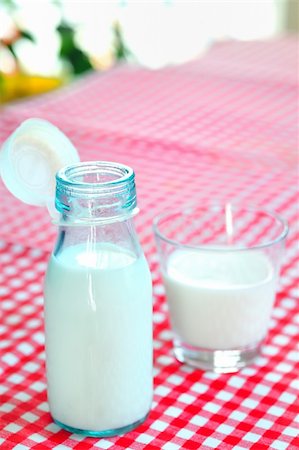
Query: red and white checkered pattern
{"type": "Point", "coordinates": [219, 128]}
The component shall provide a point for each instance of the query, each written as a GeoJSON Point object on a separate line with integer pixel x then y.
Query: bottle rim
{"type": "Point", "coordinates": [69, 176]}
{"type": "Point", "coordinates": [97, 190]}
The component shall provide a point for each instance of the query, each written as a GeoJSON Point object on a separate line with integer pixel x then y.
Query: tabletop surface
{"type": "Point", "coordinates": [219, 128]}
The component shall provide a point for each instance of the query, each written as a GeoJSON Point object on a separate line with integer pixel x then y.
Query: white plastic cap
{"type": "Point", "coordinates": [30, 158]}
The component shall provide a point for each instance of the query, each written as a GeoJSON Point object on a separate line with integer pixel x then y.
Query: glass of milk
{"type": "Point", "coordinates": [98, 305]}
{"type": "Point", "coordinates": [220, 266]}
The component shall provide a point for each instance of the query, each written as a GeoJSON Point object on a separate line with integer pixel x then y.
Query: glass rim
{"type": "Point", "coordinates": [282, 235]}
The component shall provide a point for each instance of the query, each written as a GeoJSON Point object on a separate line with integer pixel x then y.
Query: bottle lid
{"type": "Point", "coordinates": [30, 158]}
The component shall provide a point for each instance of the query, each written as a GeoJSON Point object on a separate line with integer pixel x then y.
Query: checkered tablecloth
{"type": "Point", "coordinates": [220, 128]}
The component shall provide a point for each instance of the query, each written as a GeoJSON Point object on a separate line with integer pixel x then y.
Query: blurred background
{"type": "Point", "coordinates": [47, 43]}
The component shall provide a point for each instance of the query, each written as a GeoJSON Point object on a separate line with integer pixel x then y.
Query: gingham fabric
{"type": "Point", "coordinates": [220, 128]}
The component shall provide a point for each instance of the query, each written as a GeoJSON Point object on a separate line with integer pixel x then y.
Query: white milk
{"type": "Point", "coordinates": [219, 300]}
{"type": "Point", "coordinates": [98, 320]}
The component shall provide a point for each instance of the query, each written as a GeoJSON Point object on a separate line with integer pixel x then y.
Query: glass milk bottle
{"type": "Point", "coordinates": [98, 305]}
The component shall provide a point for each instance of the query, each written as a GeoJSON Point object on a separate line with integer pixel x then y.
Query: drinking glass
{"type": "Point", "coordinates": [220, 266]}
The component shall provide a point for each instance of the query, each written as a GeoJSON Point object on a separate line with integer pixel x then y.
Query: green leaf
{"type": "Point", "coordinates": [121, 52]}
{"type": "Point", "coordinates": [69, 50]}
{"type": "Point", "coordinates": [27, 35]}
{"type": "Point", "coordinates": [12, 51]}
{"type": "Point", "coordinates": [67, 38]}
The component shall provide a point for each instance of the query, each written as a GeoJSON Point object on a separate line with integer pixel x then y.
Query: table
{"type": "Point", "coordinates": [221, 127]}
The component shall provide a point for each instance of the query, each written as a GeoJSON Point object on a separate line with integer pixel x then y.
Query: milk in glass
{"type": "Point", "coordinates": [219, 300]}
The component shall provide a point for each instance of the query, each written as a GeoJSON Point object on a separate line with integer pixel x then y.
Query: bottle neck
{"type": "Point", "coordinates": [120, 234]}
{"type": "Point", "coordinates": [95, 193]}
{"type": "Point", "coordinates": [94, 219]}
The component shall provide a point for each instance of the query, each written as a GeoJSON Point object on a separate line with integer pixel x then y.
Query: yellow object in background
{"type": "Point", "coordinates": [13, 86]}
